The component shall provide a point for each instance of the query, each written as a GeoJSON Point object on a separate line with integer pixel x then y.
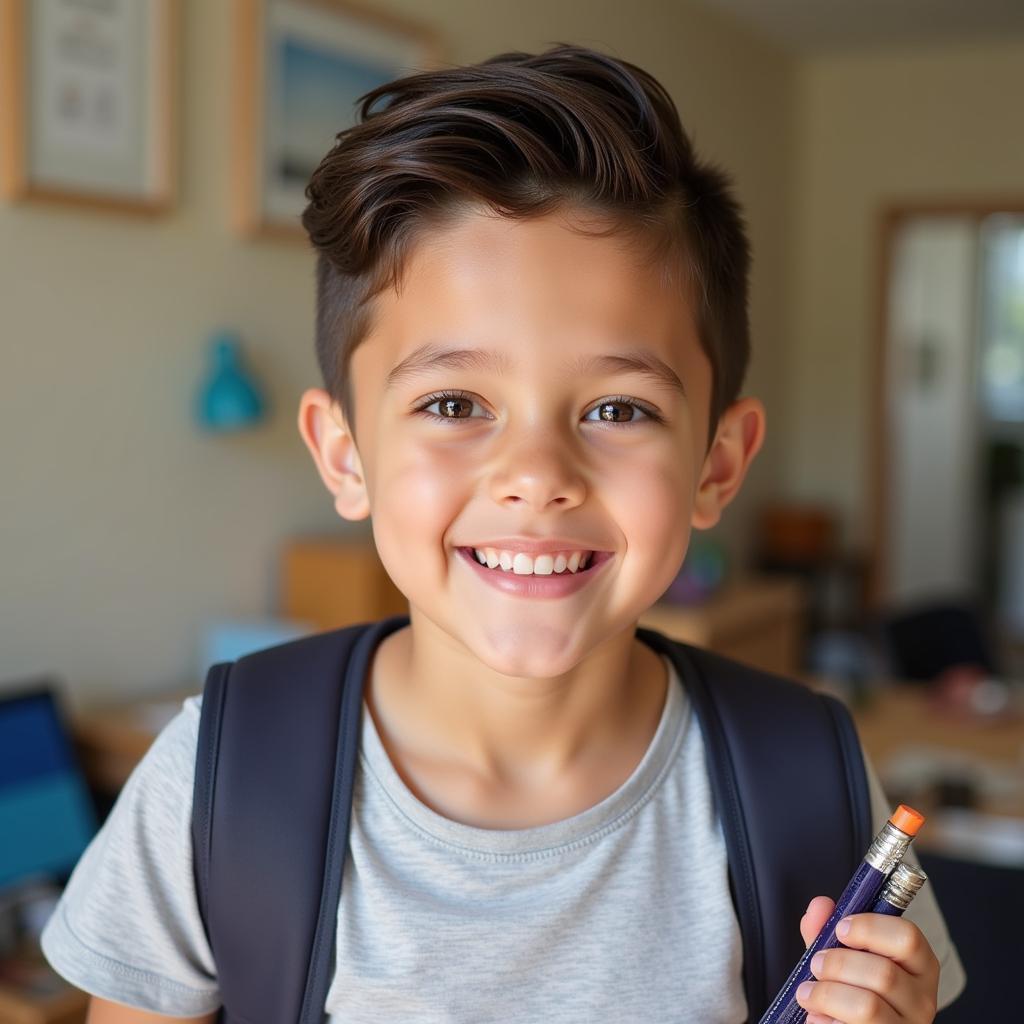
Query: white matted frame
{"type": "Point", "coordinates": [299, 67]}
{"type": "Point", "coordinates": [88, 102]}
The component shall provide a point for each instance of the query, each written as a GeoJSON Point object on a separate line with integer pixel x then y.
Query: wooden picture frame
{"type": "Point", "coordinates": [299, 66]}
{"type": "Point", "coordinates": [88, 104]}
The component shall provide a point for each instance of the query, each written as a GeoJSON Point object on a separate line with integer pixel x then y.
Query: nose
{"type": "Point", "coordinates": [538, 471]}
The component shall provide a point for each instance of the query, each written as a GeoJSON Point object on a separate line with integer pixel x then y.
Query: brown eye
{"type": "Point", "coordinates": [451, 405]}
{"type": "Point", "coordinates": [455, 408]}
{"type": "Point", "coordinates": [614, 410]}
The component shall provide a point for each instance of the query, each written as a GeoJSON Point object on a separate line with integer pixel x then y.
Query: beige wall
{"type": "Point", "coordinates": [875, 130]}
{"type": "Point", "coordinates": [122, 528]}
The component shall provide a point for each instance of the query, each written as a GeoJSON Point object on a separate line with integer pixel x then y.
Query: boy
{"type": "Point", "coordinates": [532, 328]}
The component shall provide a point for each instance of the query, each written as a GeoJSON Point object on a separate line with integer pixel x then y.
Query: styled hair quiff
{"type": "Point", "coordinates": [524, 135]}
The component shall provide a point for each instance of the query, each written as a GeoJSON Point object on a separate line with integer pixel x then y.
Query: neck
{"type": "Point", "coordinates": [440, 705]}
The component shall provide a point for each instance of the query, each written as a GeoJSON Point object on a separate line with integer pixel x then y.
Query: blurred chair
{"type": "Point", "coordinates": [924, 641]}
{"type": "Point", "coordinates": [983, 905]}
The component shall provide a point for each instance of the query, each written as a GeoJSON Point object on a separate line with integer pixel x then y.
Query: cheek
{"type": "Point", "coordinates": [418, 495]}
{"type": "Point", "coordinates": [651, 501]}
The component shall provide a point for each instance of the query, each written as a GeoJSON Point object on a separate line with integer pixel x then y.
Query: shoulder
{"type": "Point", "coordinates": [157, 795]}
{"type": "Point", "coordinates": [166, 771]}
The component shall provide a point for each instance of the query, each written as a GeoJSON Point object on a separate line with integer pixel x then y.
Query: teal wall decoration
{"type": "Point", "coordinates": [229, 397]}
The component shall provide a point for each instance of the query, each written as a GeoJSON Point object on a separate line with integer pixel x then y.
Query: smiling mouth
{"type": "Point", "coordinates": [593, 559]}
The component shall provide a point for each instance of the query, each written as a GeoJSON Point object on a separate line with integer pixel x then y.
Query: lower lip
{"type": "Point", "coordinates": [554, 585]}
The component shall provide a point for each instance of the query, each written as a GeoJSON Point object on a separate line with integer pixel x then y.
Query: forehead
{"type": "Point", "coordinates": [534, 291]}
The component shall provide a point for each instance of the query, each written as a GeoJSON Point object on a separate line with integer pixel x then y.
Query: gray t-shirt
{"type": "Point", "coordinates": [621, 912]}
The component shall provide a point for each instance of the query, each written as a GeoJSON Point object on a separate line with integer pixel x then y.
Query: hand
{"type": "Point", "coordinates": [889, 974]}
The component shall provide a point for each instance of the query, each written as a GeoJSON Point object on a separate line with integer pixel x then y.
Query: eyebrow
{"type": "Point", "coordinates": [430, 356]}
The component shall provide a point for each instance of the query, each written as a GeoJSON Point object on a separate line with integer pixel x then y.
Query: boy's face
{"type": "Point", "coordinates": [527, 448]}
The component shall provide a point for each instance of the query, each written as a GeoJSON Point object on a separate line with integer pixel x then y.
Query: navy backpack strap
{"type": "Point", "coordinates": [275, 764]}
{"type": "Point", "coordinates": [789, 782]}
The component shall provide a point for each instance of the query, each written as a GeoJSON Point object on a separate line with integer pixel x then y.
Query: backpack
{"type": "Point", "coordinates": [273, 800]}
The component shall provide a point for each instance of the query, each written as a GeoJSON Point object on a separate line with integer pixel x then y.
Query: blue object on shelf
{"type": "Point", "coordinates": [229, 398]}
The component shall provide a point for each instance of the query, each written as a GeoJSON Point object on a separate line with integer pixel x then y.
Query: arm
{"type": "Point", "coordinates": [101, 1011]}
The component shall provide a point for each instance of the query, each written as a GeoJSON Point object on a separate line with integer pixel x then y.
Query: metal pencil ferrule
{"type": "Point", "coordinates": [887, 848]}
{"type": "Point", "coordinates": [902, 885]}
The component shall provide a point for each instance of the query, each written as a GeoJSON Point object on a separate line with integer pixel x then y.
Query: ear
{"type": "Point", "coordinates": [329, 440]}
{"type": "Point", "coordinates": [738, 439]}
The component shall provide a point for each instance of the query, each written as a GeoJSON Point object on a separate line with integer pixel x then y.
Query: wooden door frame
{"type": "Point", "coordinates": [891, 217]}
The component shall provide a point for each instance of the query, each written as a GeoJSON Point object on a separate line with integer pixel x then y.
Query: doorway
{"type": "Point", "coordinates": [949, 417]}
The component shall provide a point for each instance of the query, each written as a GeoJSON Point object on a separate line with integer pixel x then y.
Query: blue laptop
{"type": "Point", "coordinates": [47, 815]}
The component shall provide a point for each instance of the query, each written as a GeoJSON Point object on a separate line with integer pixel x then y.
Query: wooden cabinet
{"type": "Point", "coordinates": [333, 583]}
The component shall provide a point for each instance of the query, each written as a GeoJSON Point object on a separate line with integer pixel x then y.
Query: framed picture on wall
{"type": "Point", "coordinates": [87, 102]}
{"type": "Point", "coordinates": [300, 66]}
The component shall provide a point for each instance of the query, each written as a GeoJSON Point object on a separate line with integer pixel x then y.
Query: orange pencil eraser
{"type": "Point", "coordinates": [906, 819]}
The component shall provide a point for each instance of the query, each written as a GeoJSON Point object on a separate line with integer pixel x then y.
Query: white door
{"type": "Point", "coordinates": [933, 413]}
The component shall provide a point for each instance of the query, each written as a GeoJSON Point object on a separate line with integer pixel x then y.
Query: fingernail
{"type": "Point", "coordinates": [816, 961]}
{"type": "Point", "coordinates": [843, 928]}
{"type": "Point", "coordinates": [803, 993]}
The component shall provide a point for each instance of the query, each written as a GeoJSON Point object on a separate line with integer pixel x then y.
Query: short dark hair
{"type": "Point", "coordinates": [524, 135]}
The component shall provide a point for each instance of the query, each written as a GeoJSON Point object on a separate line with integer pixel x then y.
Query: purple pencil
{"type": "Point", "coordinates": [860, 895]}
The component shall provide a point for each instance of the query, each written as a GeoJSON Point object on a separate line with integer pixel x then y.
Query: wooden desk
{"type": "Point", "coordinates": [902, 714]}
{"type": "Point", "coordinates": [900, 718]}
{"type": "Point", "coordinates": [918, 749]}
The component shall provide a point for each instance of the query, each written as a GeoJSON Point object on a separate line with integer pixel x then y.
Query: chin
{"type": "Point", "coordinates": [537, 652]}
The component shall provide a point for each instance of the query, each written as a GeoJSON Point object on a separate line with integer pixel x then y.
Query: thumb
{"type": "Point", "coordinates": [818, 912]}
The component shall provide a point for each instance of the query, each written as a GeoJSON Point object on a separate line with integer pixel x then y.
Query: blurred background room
{"type": "Point", "coordinates": [159, 512]}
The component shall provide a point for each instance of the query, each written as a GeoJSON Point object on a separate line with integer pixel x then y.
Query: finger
{"type": "Point", "coordinates": [895, 937]}
{"type": "Point", "coordinates": [847, 1003]}
{"type": "Point", "coordinates": [818, 912]}
{"type": "Point", "coordinates": [878, 974]}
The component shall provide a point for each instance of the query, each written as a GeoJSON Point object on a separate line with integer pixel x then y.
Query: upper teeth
{"type": "Point", "coordinates": [524, 565]}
